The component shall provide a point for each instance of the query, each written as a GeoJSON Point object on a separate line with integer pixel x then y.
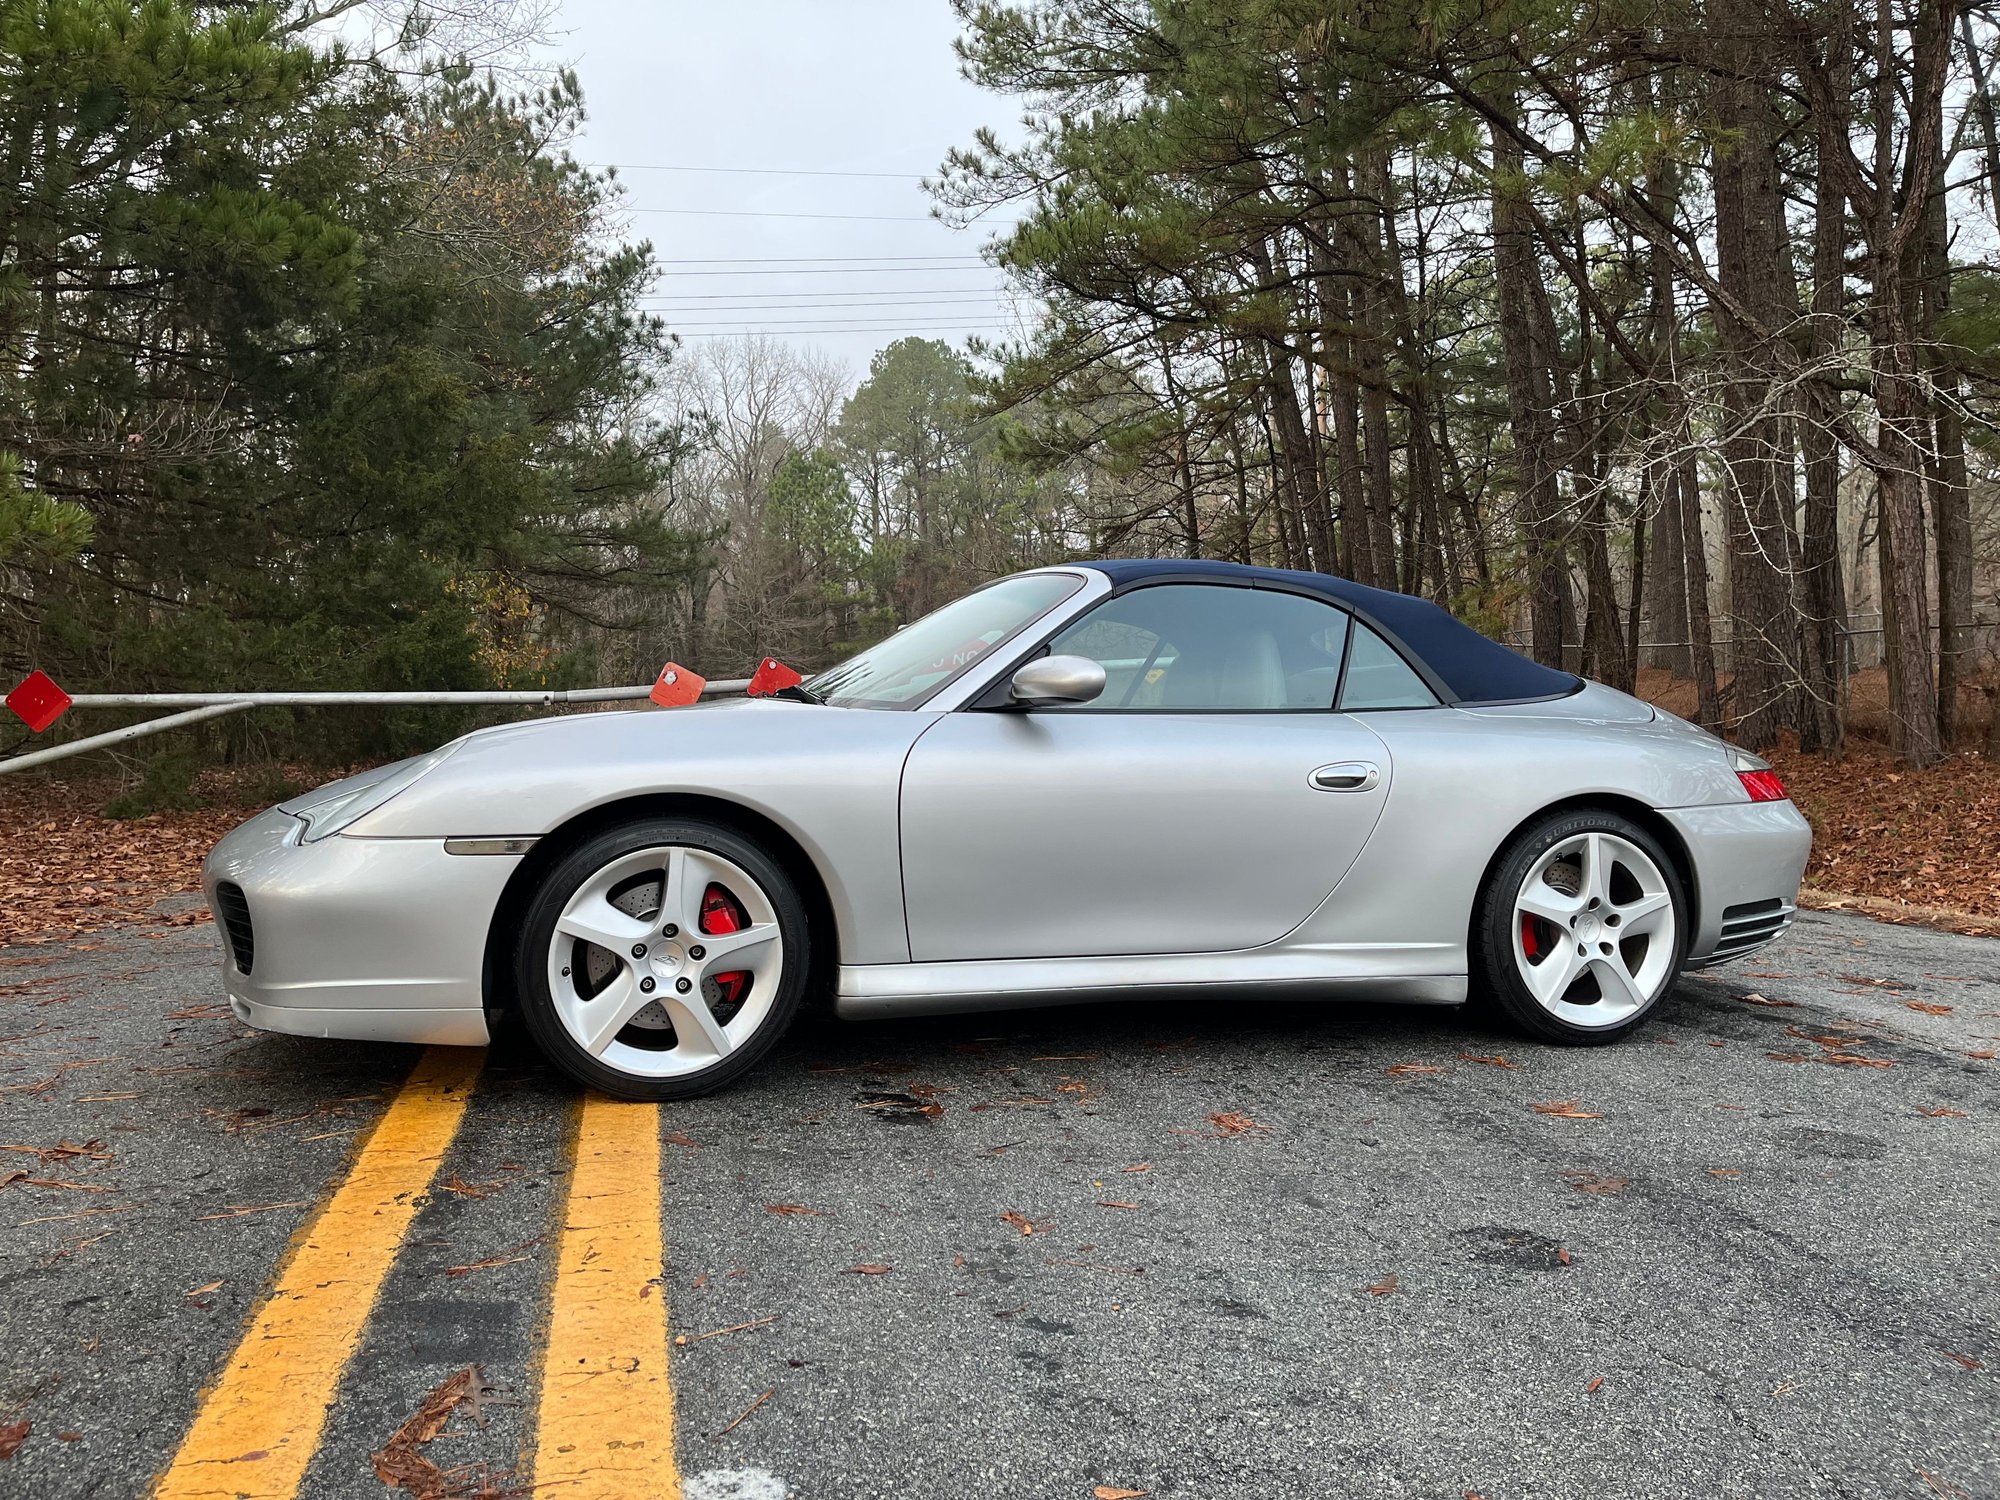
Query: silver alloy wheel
{"type": "Point", "coordinates": [1595, 930]}
{"type": "Point", "coordinates": [633, 968]}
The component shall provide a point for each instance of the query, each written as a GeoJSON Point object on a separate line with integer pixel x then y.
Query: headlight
{"type": "Point", "coordinates": [335, 806]}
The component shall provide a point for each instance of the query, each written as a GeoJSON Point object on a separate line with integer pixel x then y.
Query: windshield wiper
{"type": "Point", "coordinates": [798, 692]}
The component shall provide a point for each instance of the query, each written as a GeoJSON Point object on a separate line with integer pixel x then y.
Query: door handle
{"type": "Point", "coordinates": [1348, 776]}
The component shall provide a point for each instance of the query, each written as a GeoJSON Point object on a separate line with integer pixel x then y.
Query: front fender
{"type": "Point", "coordinates": [829, 777]}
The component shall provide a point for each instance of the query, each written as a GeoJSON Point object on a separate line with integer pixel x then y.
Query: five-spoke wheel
{"type": "Point", "coordinates": [662, 959]}
{"type": "Point", "coordinates": [1579, 932]}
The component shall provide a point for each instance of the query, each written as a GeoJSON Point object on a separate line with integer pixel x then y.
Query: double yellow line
{"type": "Point", "coordinates": [606, 1415]}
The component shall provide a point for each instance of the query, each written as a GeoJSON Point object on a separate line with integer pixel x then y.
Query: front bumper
{"type": "Point", "coordinates": [1749, 858]}
{"type": "Point", "coordinates": [369, 939]}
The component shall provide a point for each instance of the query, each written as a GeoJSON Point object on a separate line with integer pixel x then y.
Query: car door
{"type": "Point", "coordinates": [1208, 800]}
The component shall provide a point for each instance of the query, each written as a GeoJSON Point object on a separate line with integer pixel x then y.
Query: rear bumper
{"type": "Point", "coordinates": [369, 939]}
{"type": "Point", "coordinates": [1748, 860]}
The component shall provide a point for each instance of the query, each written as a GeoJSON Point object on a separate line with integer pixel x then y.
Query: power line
{"type": "Point", "coordinates": [882, 297]}
{"type": "Point", "coordinates": [674, 315]}
{"type": "Point", "coordinates": [833, 271]}
{"type": "Point", "coordinates": [741, 333]}
{"type": "Point", "coordinates": [805, 322]}
{"type": "Point", "coordinates": [817, 331]}
{"type": "Point", "coordinates": [648, 166]}
{"type": "Point", "coordinates": [754, 213]}
{"type": "Point", "coordinates": [786, 260]}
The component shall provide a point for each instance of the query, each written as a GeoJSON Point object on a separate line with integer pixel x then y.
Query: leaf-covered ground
{"type": "Point", "coordinates": [1929, 838]}
{"type": "Point", "coordinates": [1923, 839]}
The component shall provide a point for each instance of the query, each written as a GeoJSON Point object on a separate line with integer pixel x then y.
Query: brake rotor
{"type": "Point", "coordinates": [638, 898]}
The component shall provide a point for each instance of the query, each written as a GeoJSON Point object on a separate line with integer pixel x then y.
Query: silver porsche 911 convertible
{"type": "Point", "coordinates": [1112, 779]}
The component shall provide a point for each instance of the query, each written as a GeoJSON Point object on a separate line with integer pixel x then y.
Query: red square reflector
{"type": "Point", "coordinates": [677, 686]}
{"type": "Point", "coordinates": [771, 675]}
{"type": "Point", "coordinates": [1763, 786]}
{"type": "Point", "coordinates": [38, 701]}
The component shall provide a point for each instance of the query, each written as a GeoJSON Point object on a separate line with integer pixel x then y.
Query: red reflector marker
{"type": "Point", "coordinates": [38, 701]}
{"type": "Point", "coordinates": [770, 676]}
{"type": "Point", "coordinates": [677, 686]}
{"type": "Point", "coordinates": [1763, 786]}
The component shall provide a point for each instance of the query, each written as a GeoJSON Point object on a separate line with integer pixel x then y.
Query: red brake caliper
{"type": "Point", "coordinates": [721, 914]}
{"type": "Point", "coordinates": [1528, 944]}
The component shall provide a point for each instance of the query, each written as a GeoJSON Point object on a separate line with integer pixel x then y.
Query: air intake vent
{"type": "Point", "coordinates": [1751, 925]}
{"type": "Point", "coordinates": [232, 912]}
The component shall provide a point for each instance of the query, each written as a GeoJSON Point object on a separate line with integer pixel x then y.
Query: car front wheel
{"type": "Point", "coordinates": [662, 959]}
{"type": "Point", "coordinates": [1582, 928]}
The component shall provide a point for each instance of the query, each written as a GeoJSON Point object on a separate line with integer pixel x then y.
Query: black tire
{"type": "Point", "coordinates": [531, 963]}
{"type": "Point", "coordinates": [1497, 979]}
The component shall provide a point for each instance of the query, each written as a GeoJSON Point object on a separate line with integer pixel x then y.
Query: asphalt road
{"type": "Point", "coordinates": [1252, 1252]}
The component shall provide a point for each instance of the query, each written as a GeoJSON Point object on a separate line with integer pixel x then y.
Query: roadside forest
{"type": "Point", "coordinates": [1659, 339]}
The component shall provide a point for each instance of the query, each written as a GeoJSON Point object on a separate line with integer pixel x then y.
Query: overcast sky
{"type": "Point", "coordinates": [763, 95]}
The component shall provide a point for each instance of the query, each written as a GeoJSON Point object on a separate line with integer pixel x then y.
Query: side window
{"type": "Point", "coordinates": [1378, 678]}
{"type": "Point", "coordinates": [1188, 647]}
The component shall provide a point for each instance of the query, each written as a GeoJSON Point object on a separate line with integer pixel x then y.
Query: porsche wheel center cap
{"type": "Point", "coordinates": [1586, 928]}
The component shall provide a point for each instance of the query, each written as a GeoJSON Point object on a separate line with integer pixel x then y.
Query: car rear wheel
{"type": "Point", "coordinates": [662, 959]}
{"type": "Point", "coordinates": [1582, 928]}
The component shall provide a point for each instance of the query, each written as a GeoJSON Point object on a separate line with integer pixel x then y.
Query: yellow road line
{"type": "Point", "coordinates": [606, 1428]}
{"type": "Point", "coordinates": [259, 1424]}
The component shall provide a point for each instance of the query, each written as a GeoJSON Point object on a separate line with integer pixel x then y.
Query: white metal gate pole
{"type": "Point", "coordinates": [197, 707]}
{"type": "Point", "coordinates": [119, 736]}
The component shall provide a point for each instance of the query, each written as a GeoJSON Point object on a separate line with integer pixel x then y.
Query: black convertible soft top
{"type": "Point", "coordinates": [1466, 665]}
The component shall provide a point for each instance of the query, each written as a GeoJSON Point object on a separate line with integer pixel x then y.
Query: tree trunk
{"type": "Point", "coordinates": [1753, 268]}
{"type": "Point", "coordinates": [1825, 600]}
{"type": "Point", "coordinates": [1530, 399]}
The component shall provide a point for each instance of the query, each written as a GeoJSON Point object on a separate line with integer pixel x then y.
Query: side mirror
{"type": "Point", "coordinates": [1056, 680]}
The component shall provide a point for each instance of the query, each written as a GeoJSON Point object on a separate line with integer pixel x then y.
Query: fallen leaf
{"type": "Point", "coordinates": [1562, 1256]}
{"type": "Point", "coordinates": [1564, 1109]}
{"type": "Point", "coordinates": [1986, 1056]}
{"type": "Point", "coordinates": [1965, 1359]}
{"type": "Point", "coordinates": [1927, 1007]}
{"type": "Point", "coordinates": [899, 1105]}
{"type": "Point", "coordinates": [1019, 1220]}
{"type": "Point", "coordinates": [1590, 1182]}
{"type": "Point", "coordinates": [869, 1270]}
{"type": "Point", "coordinates": [1765, 1000]}
{"type": "Point", "coordinates": [453, 1184]}
{"type": "Point", "coordinates": [1385, 1286]}
{"type": "Point", "coordinates": [1942, 1113]}
{"type": "Point", "coordinates": [1401, 1070]}
{"type": "Point", "coordinates": [1724, 1172]}
{"type": "Point", "coordinates": [1144, 1166]}
{"type": "Point", "coordinates": [1231, 1123]}
{"type": "Point", "coordinates": [203, 1291]}
{"type": "Point", "coordinates": [401, 1463]}
{"type": "Point", "coordinates": [791, 1209]}
{"type": "Point", "coordinates": [1110, 1492]}
{"type": "Point", "coordinates": [12, 1435]}
{"type": "Point", "coordinates": [1110, 1203]}
{"type": "Point", "coordinates": [1596, 1384]}
{"type": "Point", "coordinates": [1875, 984]}
{"type": "Point", "coordinates": [1497, 1060]}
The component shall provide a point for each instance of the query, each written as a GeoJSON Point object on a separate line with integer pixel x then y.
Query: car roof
{"type": "Point", "coordinates": [1472, 668]}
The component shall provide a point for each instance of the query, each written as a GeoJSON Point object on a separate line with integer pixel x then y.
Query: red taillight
{"type": "Point", "coordinates": [1763, 786]}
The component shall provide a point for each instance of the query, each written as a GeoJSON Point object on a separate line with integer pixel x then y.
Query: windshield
{"type": "Point", "coordinates": [923, 656]}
